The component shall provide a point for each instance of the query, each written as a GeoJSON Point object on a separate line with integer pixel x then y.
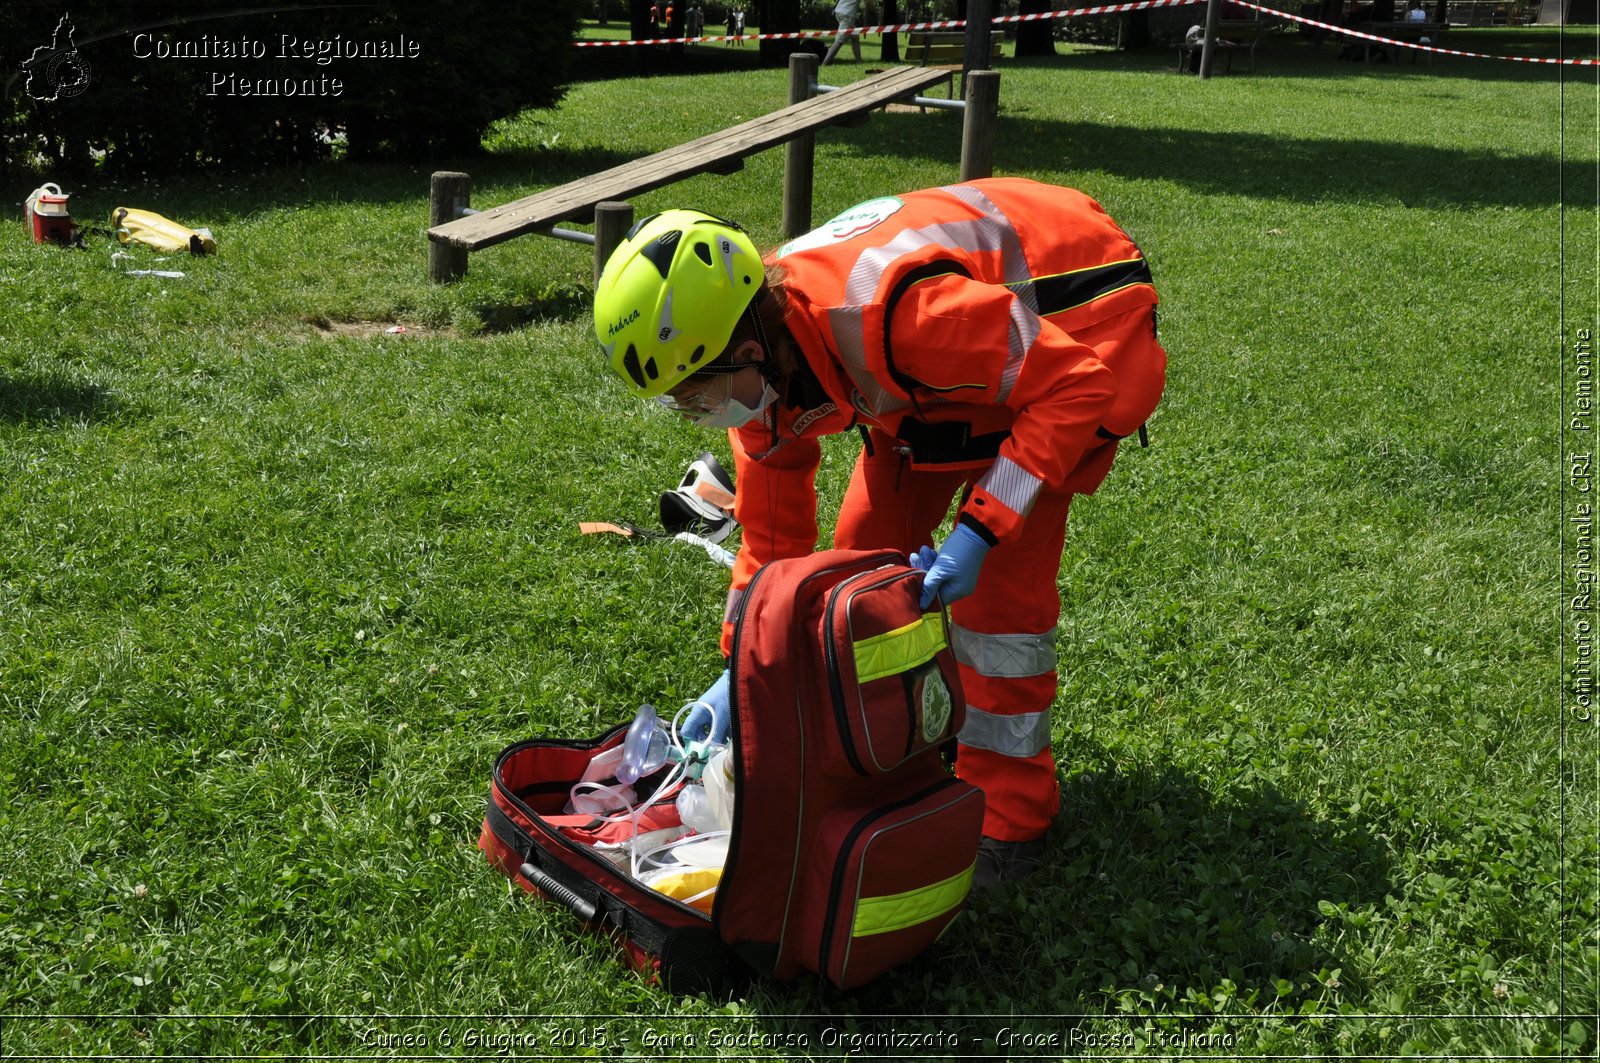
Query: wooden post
{"type": "Point", "coordinates": [979, 124]}
{"type": "Point", "coordinates": [612, 220]}
{"type": "Point", "coordinates": [799, 159]}
{"type": "Point", "coordinates": [1208, 50]}
{"type": "Point", "coordinates": [449, 193]}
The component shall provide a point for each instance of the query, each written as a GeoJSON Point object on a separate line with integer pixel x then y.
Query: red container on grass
{"type": "Point", "coordinates": [48, 218]}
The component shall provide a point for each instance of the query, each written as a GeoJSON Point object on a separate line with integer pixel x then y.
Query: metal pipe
{"type": "Point", "coordinates": [920, 101]}
{"type": "Point", "coordinates": [574, 235]}
{"type": "Point", "coordinates": [565, 234]}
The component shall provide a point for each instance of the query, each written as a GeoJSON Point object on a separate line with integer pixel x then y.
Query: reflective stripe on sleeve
{"type": "Point", "coordinates": [991, 233]}
{"type": "Point", "coordinates": [1004, 656]}
{"type": "Point", "coordinates": [1001, 235]}
{"type": "Point", "coordinates": [1025, 329]}
{"type": "Point", "coordinates": [1012, 486]}
{"type": "Point", "coordinates": [850, 336]}
{"type": "Point", "coordinates": [862, 284]}
{"type": "Point", "coordinates": [1024, 734]}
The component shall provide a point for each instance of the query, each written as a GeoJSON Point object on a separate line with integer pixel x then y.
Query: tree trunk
{"type": "Point", "coordinates": [641, 28]}
{"type": "Point", "coordinates": [1138, 31]}
{"type": "Point", "coordinates": [777, 16]}
{"type": "Point", "coordinates": [891, 41]}
{"type": "Point", "coordinates": [1036, 38]}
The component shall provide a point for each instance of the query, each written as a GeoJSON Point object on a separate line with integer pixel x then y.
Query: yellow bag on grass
{"type": "Point", "coordinates": [151, 229]}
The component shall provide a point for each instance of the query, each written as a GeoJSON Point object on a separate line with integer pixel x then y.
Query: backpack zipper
{"type": "Point", "coordinates": [830, 656]}
{"type": "Point", "coordinates": [729, 862]}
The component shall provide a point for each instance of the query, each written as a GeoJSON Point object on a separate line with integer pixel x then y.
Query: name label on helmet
{"type": "Point", "coordinates": [612, 330]}
{"type": "Point", "coordinates": [852, 223]}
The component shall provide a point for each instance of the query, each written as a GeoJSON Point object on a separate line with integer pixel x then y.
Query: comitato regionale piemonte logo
{"type": "Point", "coordinates": [57, 71]}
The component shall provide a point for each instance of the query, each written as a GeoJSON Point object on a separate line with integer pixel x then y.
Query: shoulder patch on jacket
{"type": "Point", "coordinates": [853, 222]}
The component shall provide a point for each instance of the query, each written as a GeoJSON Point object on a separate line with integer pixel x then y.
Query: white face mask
{"type": "Point", "coordinates": [731, 413]}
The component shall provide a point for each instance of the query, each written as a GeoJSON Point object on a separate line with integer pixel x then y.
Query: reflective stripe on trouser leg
{"type": "Point", "coordinates": [1007, 754]}
{"type": "Point", "coordinates": [1005, 649]}
{"type": "Point", "coordinates": [1003, 656]}
{"type": "Point", "coordinates": [1025, 734]}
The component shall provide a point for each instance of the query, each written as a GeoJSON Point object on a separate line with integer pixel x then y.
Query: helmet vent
{"type": "Point", "coordinates": [702, 251]}
{"type": "Point", "coordinates": [650, 368]}
{"type": "Point", "coordinates": [699, 353]}
{"type": "Point", "coordinates": [630, 362]}
{"type": "Point", "coordinates": [661, 251]}
{"type": "Point", "coordinates": [640, 224]}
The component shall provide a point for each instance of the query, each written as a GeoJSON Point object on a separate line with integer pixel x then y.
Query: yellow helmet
{"type": "Point", "coordinates": [670, 296]}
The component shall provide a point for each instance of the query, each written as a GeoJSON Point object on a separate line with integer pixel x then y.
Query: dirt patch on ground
{"type": "Point", "coordinates": [332, 330]}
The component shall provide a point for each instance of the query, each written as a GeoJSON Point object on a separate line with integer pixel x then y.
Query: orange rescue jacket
{"type": "Point", "coordinates": [947, 318]}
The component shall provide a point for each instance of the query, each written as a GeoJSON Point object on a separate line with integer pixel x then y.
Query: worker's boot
{"type": "Point", "coordinates": [1000, 863]}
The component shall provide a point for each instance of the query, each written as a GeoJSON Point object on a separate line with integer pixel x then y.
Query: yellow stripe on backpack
{"type": "Point", "coordinates": [900, 650]}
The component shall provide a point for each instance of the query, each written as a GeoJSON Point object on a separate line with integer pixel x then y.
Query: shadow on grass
{"type": "Point", "coordinates": [1255, 165]}
{"type": "Point", "coordinates": [1154, 884]}
{"type": "Point", "coordinates": [605, 64]}
{"type": "Point", "coordinates": [561, 302]}
{"type": "Point", "coordinates": [33, 399]}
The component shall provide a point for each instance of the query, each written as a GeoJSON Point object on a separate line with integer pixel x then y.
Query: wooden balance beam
{"type": "Point", "coordinates": [452, 235]}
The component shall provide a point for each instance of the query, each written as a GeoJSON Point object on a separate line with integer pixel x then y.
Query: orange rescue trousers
{"type": "Point", "coordinates": [1005, 748]}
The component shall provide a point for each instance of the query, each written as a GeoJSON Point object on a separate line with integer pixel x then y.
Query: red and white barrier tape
{"type": "Point", "coordinates": [1417, 46]}
{"type": "Point", "coordinates": [904, 27]}
{"type": "Point", "coordinates": [1083, 12]}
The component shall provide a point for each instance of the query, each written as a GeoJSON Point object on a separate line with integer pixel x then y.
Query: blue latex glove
{"type": "Point", "coordinates": [708, 720]}
{"type": "Point", "coordinates": [952, 573]}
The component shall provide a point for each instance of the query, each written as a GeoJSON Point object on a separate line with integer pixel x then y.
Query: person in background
{"type": "Point", "coordinates": [991, 341]}
{"type": "Point", "coordinates": [845, 12]}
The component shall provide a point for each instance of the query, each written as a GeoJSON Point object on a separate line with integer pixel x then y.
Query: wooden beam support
{"type": "Point", "coordinates": [980, 124]}
{"type": "Point", "coordinates": [449, 196]}
{"type": "Point", "coordinates": [612, 220]}
{"type": "Point", "coordinates": [800, 155]}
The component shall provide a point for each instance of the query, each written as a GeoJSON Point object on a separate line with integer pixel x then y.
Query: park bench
{"type": "Point", "coordinates": [1233, 35]}
{"type": "Point", "coordinates": [1489, 12]}
{"type": "Point", "coordinates": [455, 230]}
{"type": "Point", "coordinates": [934, 48]}
{"type": "Point", "coordinates": [1400, 31]}
{"type": "Point", "coordinates": [947, 49]}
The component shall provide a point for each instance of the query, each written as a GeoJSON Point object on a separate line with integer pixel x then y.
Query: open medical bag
{"type": "Point", "coordinates": [851, 846]}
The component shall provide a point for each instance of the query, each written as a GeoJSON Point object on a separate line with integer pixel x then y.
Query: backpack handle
{"type": "Point", "coordinates": [547, 885]}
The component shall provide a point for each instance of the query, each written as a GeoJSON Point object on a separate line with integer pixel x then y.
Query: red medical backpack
{"type": "Point", "coordinates": [852, 845]}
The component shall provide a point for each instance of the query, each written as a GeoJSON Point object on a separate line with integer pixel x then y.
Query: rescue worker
{"type": "Point", "coordinates": [992, 339]}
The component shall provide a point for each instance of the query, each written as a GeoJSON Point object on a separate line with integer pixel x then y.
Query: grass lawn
{"type": "Point", "coordinates": [276, 584]}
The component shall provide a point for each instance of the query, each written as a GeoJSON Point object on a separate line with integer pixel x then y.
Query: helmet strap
{"type": "Point", "coordinates": [769, 364]}
{"type": "Point", "coordinates": [768, 367]}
